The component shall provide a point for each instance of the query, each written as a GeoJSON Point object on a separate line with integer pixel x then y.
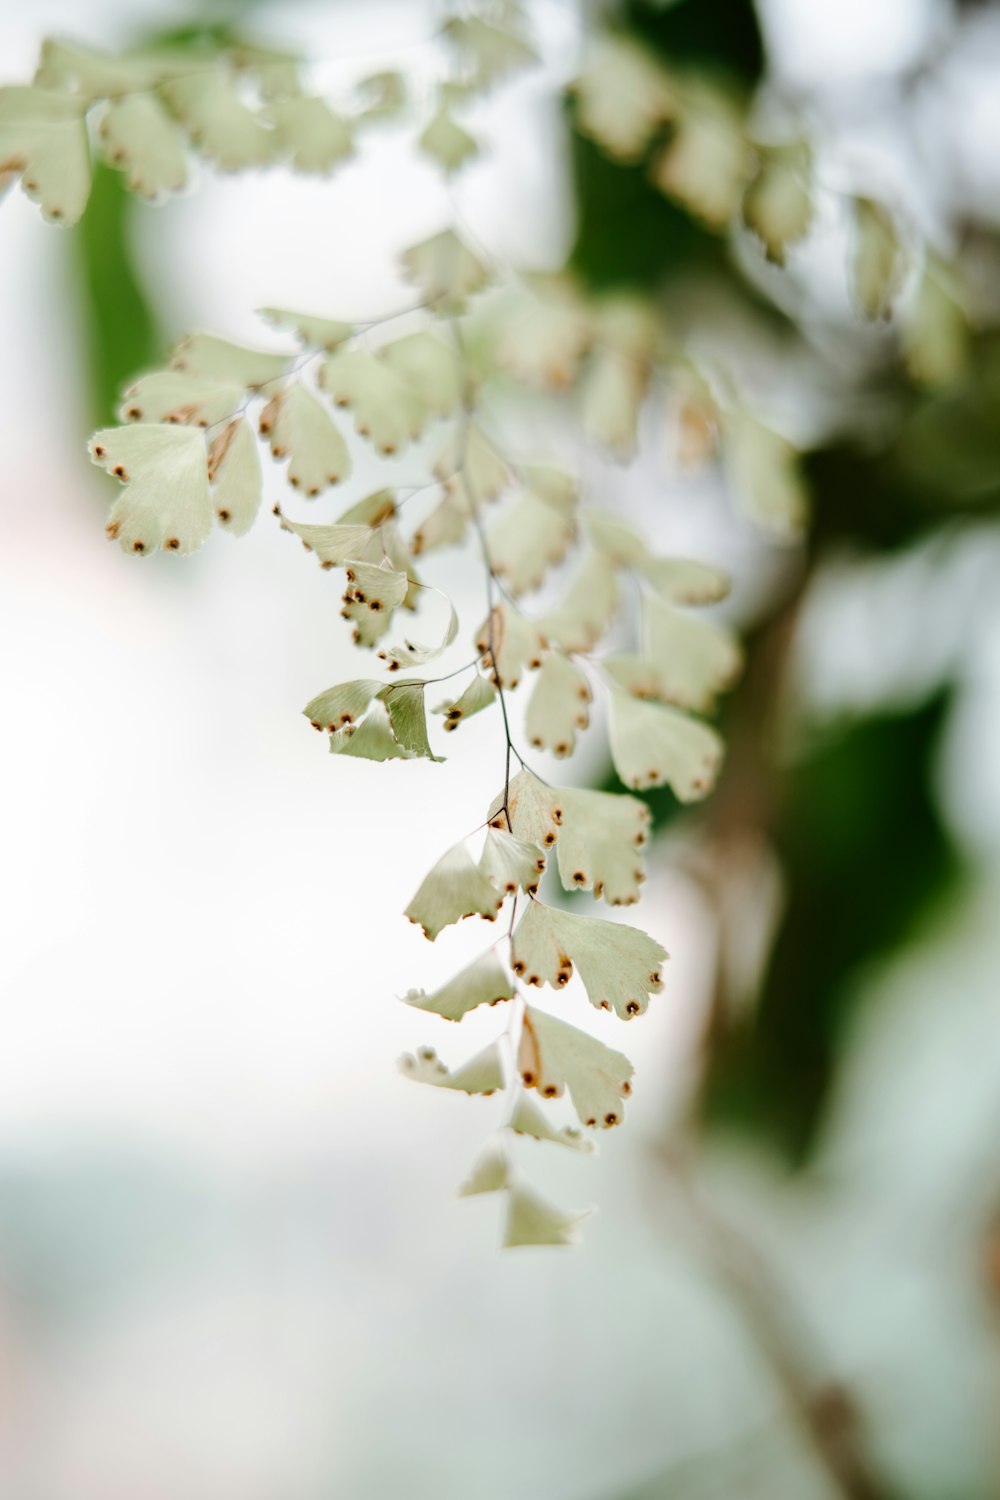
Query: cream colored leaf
{"type": "Point", "coordinates": [383, 96]}
{"type": "Point", "coordinates": [622, 97]}
{"type": "Point", "coordinates": [178, 396]}
{"type": "Point", "coordinates": [445, 270]}
{"type": "Point", "coordinates": [652, 745]}
{"type": "Point", "coordinates": [93, 74]}
{"type": "Point", "coordinates": [342, 704]}
{"type": "Point", "coordinates": [616, 539]}
{"type": "Point", "coordinates": [554, 1056]}
{"type": "Point", "coordinates": [407, 716]}
{"type": "Point", "coordinates": [220, 359]}
{"type": "Point", "coordinates": [338, 544]}
{"type": "Point", "coordinates": [492, 52]}
{"type": "Point", "coordinates": [620, 966]}
{"type": "Point", "coordinates": [587, 609]}
{"type": "Point", "coordinates": [141, 140]}
{"type": "Point", "coordinates": [218, 122]}
{"type": "Point", "coordinates": [276, 72]}
{"type": "Point", "coordinates": [315, 333]}
{"type": "Point", "coordinates": [478, 695]}
{"type": "Point", "coordinates": [778, 203]}
{"type": "Point", "coordinates": [558, 705]}
{"type": "Point", "coordinates": [166, 501]}
{"type": "Point", "coordinates": [878, 264]}
{"type": "Point", "coordinates": [693, 659]}
{"type": "Point", "coordinates": [482, 1074]}
{"type": "Point", "coordinates": [429, 365]}
{"type": "Point", "coordinates": [407, 653]}
{"type": "Point", "coordinates": [453, 889]}
{"type": "Point", "coordinates": [545, 335]}
{"type": "Point", "coordinates": [471, 467]}
{"type": "Point", "coordinates": [446, 141]}
{"type": "Point", "coordinates": [935, 334]}
{"type": "Point", "coordinates": [43, 136]}
{"type": "Point", "coordinates": [529, 1119]}
{"type": "Point", "coordinates": [445, 525]}
{"type": "Point", "coordinates": [507, 642]}
{"type": "Point", "coordinates": [510, 863]}
{"type": "Point", "coordinates": [534, 810]}
{"type": "Point", "coordinates": [530, 537]}
{"type": "Point", "coordinates": [312, 135]}
{"type": "Point", "coordinates": [763, 468]}
{"type": "Point", "coordinates": [386, 409]}
{"type": "Point", "coordinates": [490, 1173]}
{"type": "Point", "coordinates": [601, 839]}
{"type": "Point", "coordinates": [532, 1221]}
{"type": "Point", "coordinates": [374, 591]}
{"type": "Point", "coordinates": [371, 739]}
{"type": "Point", "coordinates": [559, 490]}
{"type": "Point", "coordinates": [300, 429]}
{"type": "Point", "coordinates": [682, 580]}
{"type": "Point", "coordinates": [483, 982]}
{"type": "Point", "coordinates": [234, 469]}
{"type": "Point", "coordinates": [611, 400]}
{"type": "Point", "coordinates": [706, 161]}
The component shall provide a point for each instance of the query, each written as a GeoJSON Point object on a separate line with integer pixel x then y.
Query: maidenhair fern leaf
{"type": "Point", "coordinates": [430, 366]}
{"type": "Point", "coordinates": [470, 458]}
{"type": "Point", "coordinates": [554, 1056]}
{"type": "Point", "coordinates": [315, 333]}
{"type": "Point", "coordinates": [43, 136]}
{"type": "Point", "coordinates": [652, 745]}
{"type": "Point", "coordinates": [446, 141]}
{"type": "Point", "coordinates": [483, 982]}
{"type": "Point", "coordinates": [310, 134]}
{"type": "Point", "coordinates": [529, 1119]}
{"type": "Point", "coordinates": [221, 359]}
{"type": "Point", "coordinates": [405, 703]}
{"type": "Point", "coordinates": [371, 739]}
{"type": "Point", "coordinates": [453, 889]}
{"type": "Point", "coordinates": [478, 695]}
{"type": "Point", "coordinates": [622, 97]}
{"type": "Point", "coordinates": [482, 1074]}
{"type": "Point", "coordinates": [620, 966]}
{"type": "Point", "coordinates": [490, 1172]}
{"type": "Point", "coordinates": [530, 810]}
{"type": "Point", "coordinates": [234, 469]}
{"type": "Point", "coordinates": [587, 609]}
{"type": "Point", "coordinates": [601, 838]}
{"type": "Point", "coordinates": [532, 1221]}
{"type": "Point", "coordinates": [507, 642]}
{"type": "Point", "coordinates": [300, 429]}
{"type": "Point", "coordinates": [558, 705]}
{"type": "Point", "coordinates": [510, 863]}
{"type": "Point", "coordinates": [166, 501]}
{"type": "Point", "coordinates": [141, 140]}
{"type": "Point", "coordinates": [179, 396]}
{"type": "Point", "coordinates": [529, 538]}
{"type": "Point", "coordinates": [386, 409]}
{"type": "Point", "coordinates": [217, 121]}
{"type": "Point", "coordinates": [445, 270]}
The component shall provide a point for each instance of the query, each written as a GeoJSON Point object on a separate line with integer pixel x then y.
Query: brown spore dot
{"type": "Point", "coordinates": [528, 1078]}
{"type": "Point", "coordinates": [626, 1089]}
{"type": "Point", "coordinates": [119, 471]}
{"type": "Point", "coordinates": [550, 1091]}
{"type": "Point", "coordinates": [173, 544]}
{"type": "Point", "coordinates": [632, 1008]}
{"type": "Point", "coordinates": [138, 546]}
{"type": "Point", "coordinates": [224, 515]}
{"type": "Point", "coordinates": [591, 1121]}
{"type": "Point", "coordinates": [579, 877]}
{"type": "Point", "coordinates": [611, 1118]}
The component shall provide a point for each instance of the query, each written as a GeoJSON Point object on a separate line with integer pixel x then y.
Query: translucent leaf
{"type": "Point", "coordinates": [408, 653]}
{"type": "Point", "coordinates": [342, 704]}
{"type": "Point", "coordinates": [431, 366]}
{"type": "Point", "coordinates": [312, 135]}
{"type": "Point", "coordinates": [478, 695]}
{"type": "Point", "coordinates": [878, 265]}
{"type": "Point", "coordinates": [705, 163]}
{"type": "Point", "coordinates": [587, 609]}
{"type": "Point", "coordinates": [444, 526]}
{"type": "Point", "coordinates": [628, 325]}
{"type": "Point", "coordinates": [405, 702]}
{"type": "Point", "coordinates": [534, 810]}
{"type": "Point", "coordinates": [622, 97]}
{"type": "Point", "coordinates": [617, 540]}
{"type": "Point", "coordinates": [469, 458]}
{"type": "Point", "coordinates": [935, 332]}
{"type": "Point", "coordinates": [511, 863]}
{"type": "Point", "coordinates": [682, 580]}
{"type": "Point", "coordinates": [166, 501]}
{"type": "Point", "coordinates": [620, 966]}
{"type": "Point", "coordinates": [483, 982]}
{"type": "Point", "coordinates": [544, 337]}
{"type": "Point", "coordinates": [554, 1056]}
{"type": "Point", "coordinates": [482, 1074]}
{"type": "Point", "coordinates": [445, 270]}
{"type": "Point", "coordinates": [507, 642]}
{"type": "Point", "coordinates": [600, 844]}
{"type": "Point", "coordinates": [386, 409]}
{"type": "Point", "coordinates": [490, 1173]}
{"type": "Point", "coordinates": [277, 73]}
{"type": "Point", "coordinates": [453, 889]}
{"type": "Point", "coordinates": [178, 396]}
{"type": "Point", "coordinates": [492, 52]}
{"type": "Point", "coordinates": [90, 73]}
{"type": "Point", "coordinates": [558, 705]}
{"type": "Point", "coordinates": [374, 591]}
{"type": "Point", "coordinates": [141, 140]}
{"type": "Point", "coordinates": [764, 470]}
{"type": "Point", "coordinates": [315, 333]}
{"type": "Point", "coordinates": [218, 122]}
{"type": "Point", "coordinates": [234, 469]}
{"type": "Point", "coordinates": [43, 135]}
{"type": "Point", "coordinates": [529, 538]}
{"type": "Point", "coordinates": [529, 1119]}
{"type": "Point", "coordinates": [652, 745]}
{"type": "Point", "coordinates": [559, 490]}
{"type": "Point", "coordinates": [300, 428]}
{"type": "Point", "coordinates": [384, 96]}
{"type": "Point", "coordinates": [371, 739]}
{"type": "Point", "coordinates": [693, 660]}
{"type": "Point", "coordinates": [778, 204]}
{"type": "Point", "coordinates": [532, 1221]}
{"type": "Point", "coordinates": [337, 544]}
{"type": "Point", "coordinates": [219, 359]}
{"type": "Point", "coordinates": [611, 399]}
{"type": "Point", "coordinates": [446, 141]}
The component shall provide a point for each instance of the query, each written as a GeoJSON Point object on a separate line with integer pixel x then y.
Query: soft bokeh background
{"type": "Point", "coordinates": [231, 1262]}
